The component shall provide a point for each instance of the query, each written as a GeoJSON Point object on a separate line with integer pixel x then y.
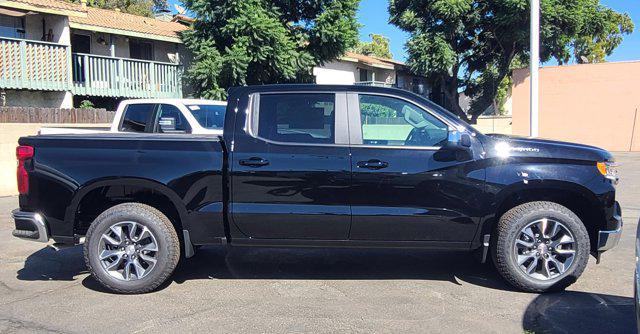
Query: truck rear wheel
{"type": "Point", "coordinates": [541, 246]}
{"type": "Point", "coordinates": [131, 248]}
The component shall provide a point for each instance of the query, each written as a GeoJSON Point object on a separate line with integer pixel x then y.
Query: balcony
{"type": "Point", "coordinates": [374, 83]}
{"type": "Point", "coordinates": [35, 65]}
{"type": "Point", "coordinates": [121, 77]}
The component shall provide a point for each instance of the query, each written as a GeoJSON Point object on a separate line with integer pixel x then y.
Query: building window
{"type": "Point", "coordinates": [81, 43]}
{"type": "Point", "coordinates": [11, 27]}
{"type": "Point", "coordinates": [364, 75]}
{"type": "Point", "coordinates": [140, 49]}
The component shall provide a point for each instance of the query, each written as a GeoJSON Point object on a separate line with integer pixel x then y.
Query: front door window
{"type": "Point", "coordinates": [388, 121]}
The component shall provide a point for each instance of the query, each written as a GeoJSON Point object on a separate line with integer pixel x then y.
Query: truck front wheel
{"type": "Point", "coordinates": [131, 248]}
{"type": "Point", "coordinates": [541, 246]}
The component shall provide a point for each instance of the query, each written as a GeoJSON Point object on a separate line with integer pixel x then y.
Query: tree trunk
{"type": "Point", "coordinates": [490, 94]}
{"type": "Point", "coordinates": [450, 89]}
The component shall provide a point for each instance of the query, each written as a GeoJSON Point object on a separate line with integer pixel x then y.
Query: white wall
{"type": "Point", "coordinates": [347, 73]}
{"type": "Point", "coordinates": [162, 50]}
{"type": "Point", "coordinates": [58, 24]}
{"type": "Point", "coordinates": [388, 76]}
{"type": "Point", "coordinates": [336, 73]}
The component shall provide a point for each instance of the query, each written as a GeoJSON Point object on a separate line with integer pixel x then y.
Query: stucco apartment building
{"type": "Point", "coordinates": [358, 69]}
{"type": "Point", "coordinates": [54, 53]}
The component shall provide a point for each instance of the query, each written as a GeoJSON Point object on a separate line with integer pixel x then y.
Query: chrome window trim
{"type": "Point", "coordinates": [355, 117]}
{"type": "Point", "coordinates": [341, 123]}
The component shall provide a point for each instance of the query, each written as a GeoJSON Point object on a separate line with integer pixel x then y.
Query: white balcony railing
{"type": "Point", "coordinates": [374, 83]}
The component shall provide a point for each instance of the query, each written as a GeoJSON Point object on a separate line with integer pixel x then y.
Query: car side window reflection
{"type": "Point", "coordinates": [388, 121]}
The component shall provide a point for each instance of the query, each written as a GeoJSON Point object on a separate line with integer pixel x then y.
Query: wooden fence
{"type": "Point", "coordinates": [54, 115]}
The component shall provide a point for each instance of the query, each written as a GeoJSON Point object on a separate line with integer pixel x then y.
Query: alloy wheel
{"type": "Point", "coordinates": [544, 249]}
{"type": "Point", "coordinates": [128, 251]}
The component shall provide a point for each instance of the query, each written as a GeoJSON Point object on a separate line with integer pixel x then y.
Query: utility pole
{"type": "Point", "coordinates": [534, 68]}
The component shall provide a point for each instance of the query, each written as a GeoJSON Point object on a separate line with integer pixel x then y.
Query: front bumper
{"type": "Point", "coordinates": [609, 239]}
{"type": "Point", "coordinates": [30, 226]}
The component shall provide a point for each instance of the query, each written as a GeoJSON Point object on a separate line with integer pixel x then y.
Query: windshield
{"type": "Point", "coordinates": [209, 116]}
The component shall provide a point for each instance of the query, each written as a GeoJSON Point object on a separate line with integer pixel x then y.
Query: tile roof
{"type": "Point", "coordinates": [122, 21]}
{"type": "Point", "coordinates": [51, 4]}
{"type": "Point", "coordinates": [372, 60]}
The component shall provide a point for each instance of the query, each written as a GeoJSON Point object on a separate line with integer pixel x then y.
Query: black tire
{"type": "Point", "coordinates": [167, 256]}
{"type": "Point", "coordinates": [507, 230]}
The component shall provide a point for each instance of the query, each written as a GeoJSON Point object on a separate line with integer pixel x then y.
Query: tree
{"type": "Point", "coordinates": [470, 45]}
{"type": "Point", "coordinates": [248, 42]}
{"type": "Point", "coordinates": [136, 7]}
{"type": "Point", "coordinates": [379, 47]}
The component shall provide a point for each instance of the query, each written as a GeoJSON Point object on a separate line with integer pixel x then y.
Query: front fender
{"type": "Point", "coordinates": [558, 180]}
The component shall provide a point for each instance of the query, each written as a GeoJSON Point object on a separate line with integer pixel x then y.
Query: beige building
{"type": "Point", "coordinates": [595, 104]}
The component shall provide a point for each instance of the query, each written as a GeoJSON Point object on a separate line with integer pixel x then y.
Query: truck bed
{"type": "Point", "coordinates": [67, 167]}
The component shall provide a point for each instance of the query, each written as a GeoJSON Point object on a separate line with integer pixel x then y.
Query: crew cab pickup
{"type": "Point", "coordinates": [320, 166]}
{"type": "Point", "coordinates": [192, 116]}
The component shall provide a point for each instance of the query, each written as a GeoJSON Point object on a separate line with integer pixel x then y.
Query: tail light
{"type": "Point", "coordinates": [23, 153]}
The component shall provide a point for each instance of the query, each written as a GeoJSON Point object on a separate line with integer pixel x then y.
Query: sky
{"type": "Point", "coordinates": [374, 18]}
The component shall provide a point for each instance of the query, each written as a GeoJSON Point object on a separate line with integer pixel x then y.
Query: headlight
{"type": "Point", "coordinates": [609, 169]}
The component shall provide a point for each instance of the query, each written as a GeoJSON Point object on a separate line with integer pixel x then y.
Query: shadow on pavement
{"type": "Point", "coordinates": [48, 264]}
{"type": "Point", "coordinates": [329, 264]}
{"type": "Point", "coordinates": [580, 312]}
{"type": "Point", "coordinates": [566, 312]}
{"type": "Point", "coordinates": [337, 264]}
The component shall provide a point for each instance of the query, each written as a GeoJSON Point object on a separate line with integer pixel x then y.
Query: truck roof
{"type": "Point", "coordinates": [176, 100]}
{"type": "Point", "coordinates": [346, 88]}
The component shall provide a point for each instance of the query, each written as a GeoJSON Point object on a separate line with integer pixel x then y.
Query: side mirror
{"type": "Point", "coordinates": [168, 125]}
{"type": "Point", "coordinates": [458, 140]}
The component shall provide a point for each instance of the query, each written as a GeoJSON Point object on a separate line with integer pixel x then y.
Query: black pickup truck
{"type": "Point", "coordinates": [318, 166]}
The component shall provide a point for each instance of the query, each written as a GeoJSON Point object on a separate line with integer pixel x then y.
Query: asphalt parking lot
{"type": "Point", "coordinates": [316, 291]}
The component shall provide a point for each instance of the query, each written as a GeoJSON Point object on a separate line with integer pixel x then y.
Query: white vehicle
{"type": "Point", "coordinates": [161, 116]}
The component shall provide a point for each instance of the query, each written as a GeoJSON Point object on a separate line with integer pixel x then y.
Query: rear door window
{"type": "Point", "coordinates": [138, 118]}
{"type": "Point", "coordinates": [297, 118]}
{"type": "Point", "coordinates": [209, 116]}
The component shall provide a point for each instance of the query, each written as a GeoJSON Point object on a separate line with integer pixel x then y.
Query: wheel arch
{"type": "Point", "coordinates": [577, 198]}
{"type": "Point", "coordinates": [119, 190]}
